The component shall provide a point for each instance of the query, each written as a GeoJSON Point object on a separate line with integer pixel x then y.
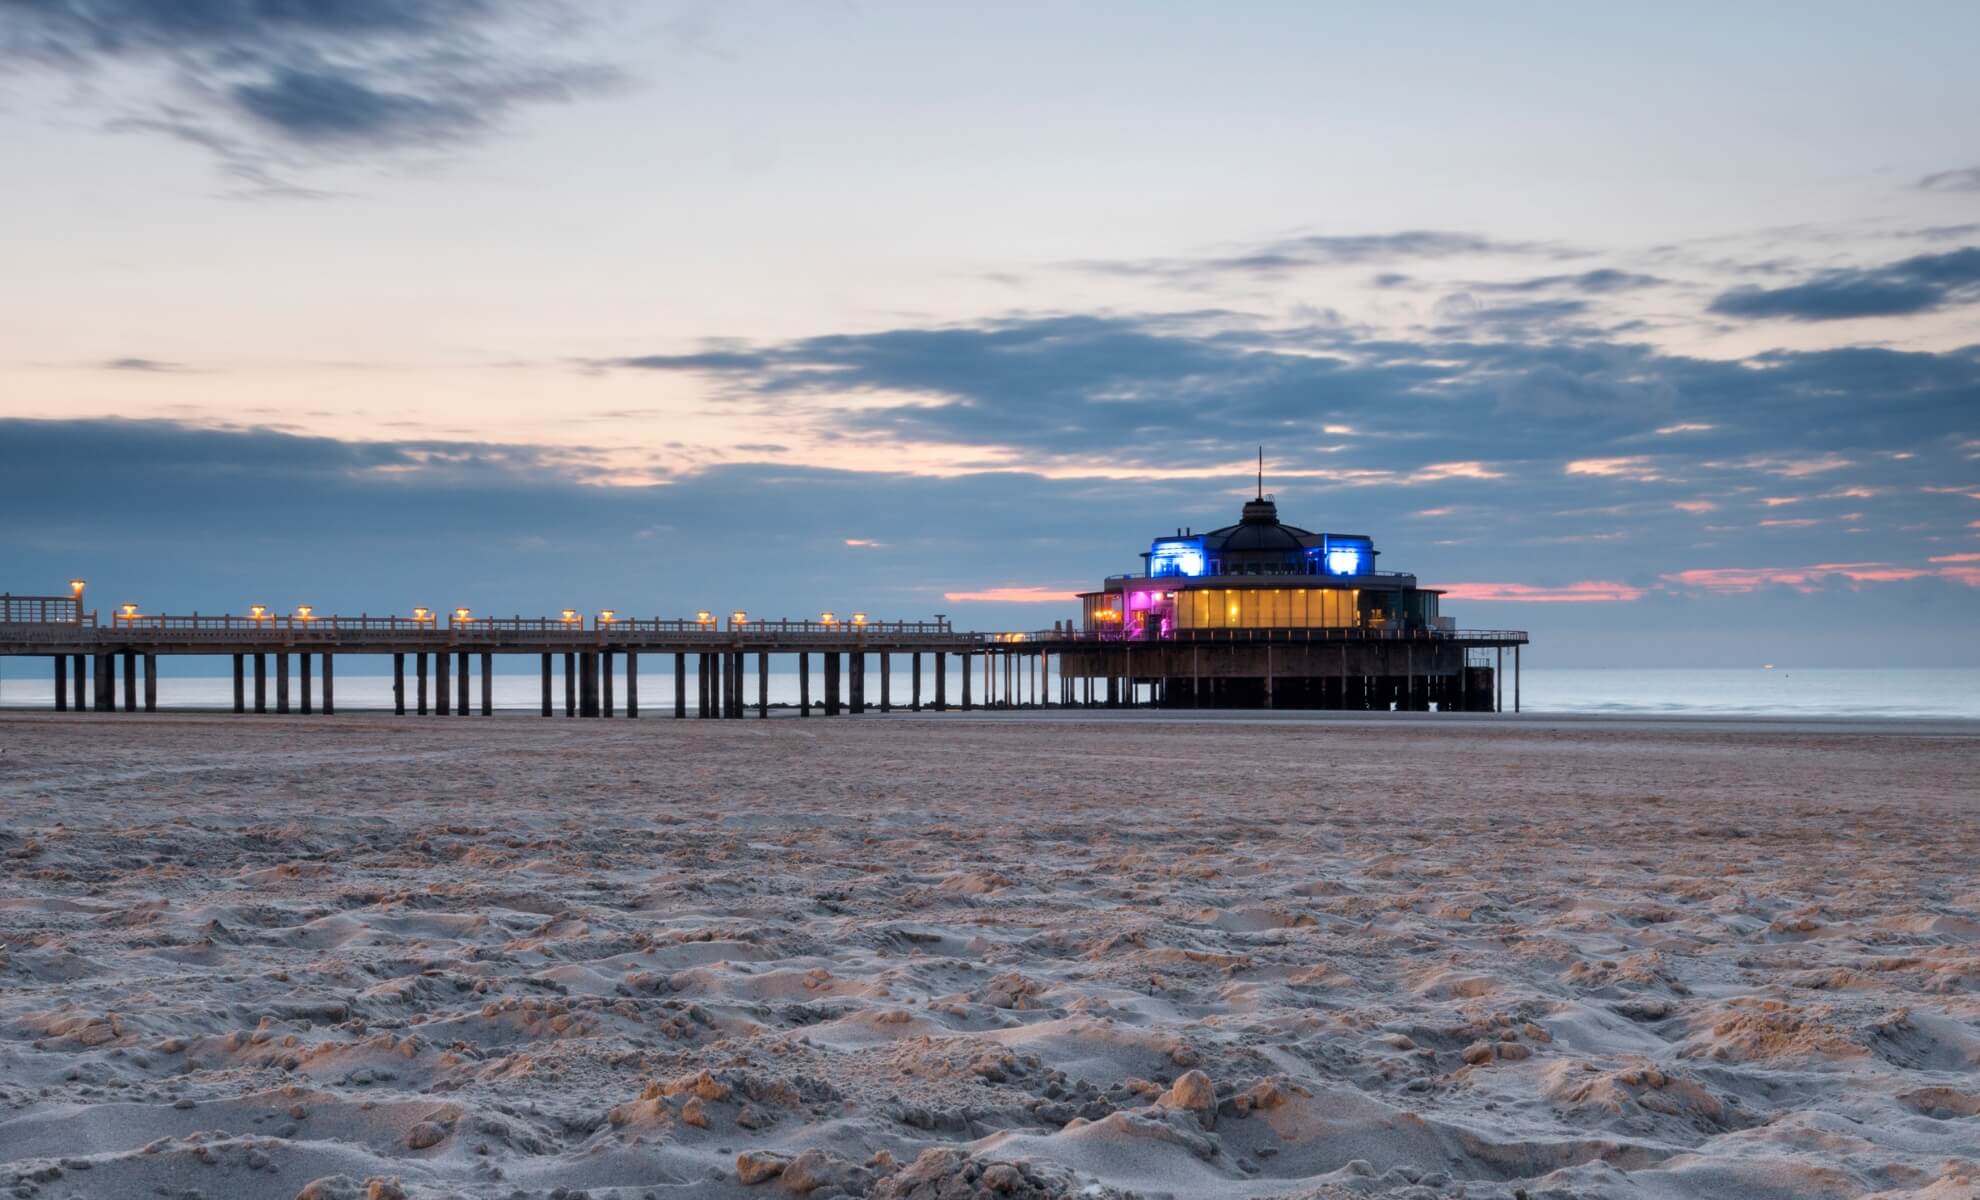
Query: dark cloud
{"type": "Point", "coordinates": [1913, 285]}
{"type": "Point", "coordinates": [232, 517]}
{"type": "Point", "coordinates": [1313, 251]}
{"type": "Point", "coordinates": [1151, 393]}
{"type": "Point", "coordinates": [268, 86]}
{"type": "Point", "coordinates": [1965, 180]}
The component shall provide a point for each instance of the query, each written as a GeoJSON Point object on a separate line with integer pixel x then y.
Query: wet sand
{"type": "Point", "coordinates": [280, 957]}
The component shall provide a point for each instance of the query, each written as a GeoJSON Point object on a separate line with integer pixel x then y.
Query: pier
{"type": "Point", "coordinates": [444, 665]}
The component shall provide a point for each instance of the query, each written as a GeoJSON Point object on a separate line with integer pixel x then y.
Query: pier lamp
{"type": "Point", "coordinates": [304, 612]}
{"type": "Point", "coordinates": [826, 618]}
{"type": "Point", "coordinates": [257, 612]}
{"type": "Point", "coordinates": [461, 615]}
{"type": "Point", "coordinates": [570, 616]}
{"type": "Point", "coordinates": [422, 614]}
{"type": "Point", "coordinates": [76, 586]}
{"type": "Point", "coordinates": [738, 617]}
{"type": "Point", "coordinates": [605, 616]}
{"type": "Point", "coordinates": [859, 618]}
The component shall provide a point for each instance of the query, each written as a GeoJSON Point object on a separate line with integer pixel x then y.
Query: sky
{"type": "Point", "coordinates": [1654, 332]}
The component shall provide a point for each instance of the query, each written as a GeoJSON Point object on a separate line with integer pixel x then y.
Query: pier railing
{"type": "Point", "coordinates": [1318, 633]}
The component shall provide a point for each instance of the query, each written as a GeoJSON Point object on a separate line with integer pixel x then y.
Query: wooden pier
{"type": "Point", "coordinates": [445, 666]}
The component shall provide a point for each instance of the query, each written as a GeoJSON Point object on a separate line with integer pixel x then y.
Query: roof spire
{"type": "Point", "coordinates": [1261, 472]}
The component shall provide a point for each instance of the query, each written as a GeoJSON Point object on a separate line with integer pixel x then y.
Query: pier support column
{"type": "Point", "coordinates": [965, 673]}
{"type": "Point", "coordinates": [282, 682]}
{"type": "Point", "coordinates": [548, 707]}
{"type": "Point", "coordinates": [588, 683]}
{"type": "Point", "coordinates": [419, 670]}
{"type": "Point", "coordinates": [914, 683]}
{"type": "Point", "coordinates": [1269, 697]}
{"type": "Point", "coordinates": [680, 687]}
{"type": "Point", "coordinates": [1515, 678]}
{"type": "Point", "coordinates": [570, 684]}
{"type": "Point", "coordinates": [632, 684]}
{"type": "Point", "coordinates": [1499, 683]}
{"type": "Point", "coordinates": [399, 683]}
{"type": "Point", "coordinates": [701, 686]}
{"type": "Point", "coordinates": [130, 681]}
{"type": "Point", "coordinates": [941, 661]}
{"type": "Point", "coordinates": [260, 683]}
{"type": "Point", "coordinates": [240, 684]}
{"type": "Point", "coordinates": [804, 685]}
{"type": "Point", "coordinates": [76, 682]}
{"type": "Point", "coordinates": [763, 685]}
{"type": "Point", "coordinates": [61, 683]}
{"type": "Point", "coordinates": [487, 683]}
{"type": "Point", "coordinates": [886, 682]}
{"type": "Point", "coordinates": [606, 708]}
{"type": "Point", "coordinates": [106, 683]}
{"type": "Point", "coordinates": [461, 689]}
{"type": "Point", "coordinates": [443, 685]}
{"type": "Point", "coordinates": [329, 685]}
{"type": "Point", "coordinates": [308, 700]}
{"type": "Point", "coordinates": [833, 665]}
{"type": "Point", "coordinates": [857, 684]}
{"type": "Point", "coordinates": [151, 683]}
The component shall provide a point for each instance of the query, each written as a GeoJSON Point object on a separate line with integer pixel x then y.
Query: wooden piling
{"type": "Point", "coordinates": [587, 683]}
{"type": "Point", "coordinates": [680, 686]}
{"type": "Point", "coordinates": [831, 683]}
{"type": "Point", "coordinates": [443, 685]}
{"type": "Point", "coordinates": [329, 684]}
{"type": "Point", "coordinates": [632, 684]}
{"type": "Point", "coordinates": [308, 700]}
{"type": "Point", "coordinates": [419, 670]}
{"type": "Point", "coordinates": [549, 705]}
{"type": "Point", "coordinates": [260, 683]}
{"type": "Point", "coordinates": [857, 661]}
{"type": "Point", "coordinates": [487, 684]}
{"type": "Point", "coordinates": [282, 682]}
{"type": "Point", "coordinates": [965, 673]}
{"type": "Point", "coordinates": [570, 684]}
{"type": "Point", "coordinates": [151, 683]}
{"type": "Point", "coordinates": [76, 682]}
{"type": "Point", "coordinates": [804, 685]}
{"type": "Point", "coordinates": [606, 708]}
{"type": "Point", "coordinates": [763, 685]}
{"type": "Point", "coordinates": [130, 681]}
{"type": "Point", "coordinates": [941, 661]}
{"type": "Point", "coordinates": [399, 683]}
{"type": "Point", "coordinates": [61, 683]}
{"type": "Point", "coordinates": [914, 686]}
{"type": "Point", "coordinates": [886, 682]}
{"type": "Point", "coordinates": [461, 690]}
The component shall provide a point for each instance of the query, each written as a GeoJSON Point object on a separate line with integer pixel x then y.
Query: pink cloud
{"type": "Point", "coordinates": [1790, 522]}
{"type": "Point", "coordinates": [1635, 466]}
{"type": "Point", "coordinates": [1590, 591]}
{"type": "Point", "coordinates": [1956, 558]}
{"type": "Point", "coordinates": [863, 543]}
{"type": "Point", "coordinates": [1013, 595]}
{"type": "Point", "coordinates": [1695, 506]}
{"type": "Point", "coordinates": [1806, 579]}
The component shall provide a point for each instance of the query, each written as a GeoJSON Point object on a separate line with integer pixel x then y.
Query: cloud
{"type": "Point", "coordinates": [1601, 281]}
{"type": "Point", "coordinates": [1013, 595]}
{"type": "Point", "coordinates": [1592, 591]}
{"type": "Point", "coordinates": [1815, 578]}
{"type": "Point", "coordinates": [1924, 283]}
{"type": "Point", "coordinates": [1964, 180]}
{"type": "Point", "coordinates": [270, 86]}
{"type": "Point", "coordinates": [1286, 256]}
{"type": "Point", "coordinates": [141, 364]}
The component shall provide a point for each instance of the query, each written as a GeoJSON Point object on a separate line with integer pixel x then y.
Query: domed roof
{"type": "Point", "coordinates": [1258, 529]}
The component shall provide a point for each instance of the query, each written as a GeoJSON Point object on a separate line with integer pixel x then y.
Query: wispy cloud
{"type": "Point", "coordinates": [1012, 595]}
{"type": "Point", "coordinates": [269, 87]}
{"type": "Point", "coordinates": [1966, 179]}
{"type": "Point", "coordinates": [1590, 591]}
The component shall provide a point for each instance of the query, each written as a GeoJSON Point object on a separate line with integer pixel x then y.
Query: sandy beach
{"type": "Point", "coordinates": [938, 958]}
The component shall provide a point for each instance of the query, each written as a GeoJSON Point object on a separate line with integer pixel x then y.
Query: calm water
{"type": "Point", "coordinates": [1843, 692]}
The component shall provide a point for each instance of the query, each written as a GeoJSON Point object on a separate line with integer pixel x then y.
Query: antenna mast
{"type": "Point", "coordinates": [1261, 472]}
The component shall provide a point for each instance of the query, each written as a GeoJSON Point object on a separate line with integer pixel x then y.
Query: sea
{"type": "Point", "coordinates": [364, 683]}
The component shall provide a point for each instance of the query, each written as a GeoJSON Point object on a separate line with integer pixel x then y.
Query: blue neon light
{"type": "Point", "coordinates": [1341, 555]}
{"type": "Point", "coordinates": [1177, 556]}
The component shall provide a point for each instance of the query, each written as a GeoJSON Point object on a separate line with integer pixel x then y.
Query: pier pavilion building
{"type": "Point", "coordinates": [1265, 614]}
